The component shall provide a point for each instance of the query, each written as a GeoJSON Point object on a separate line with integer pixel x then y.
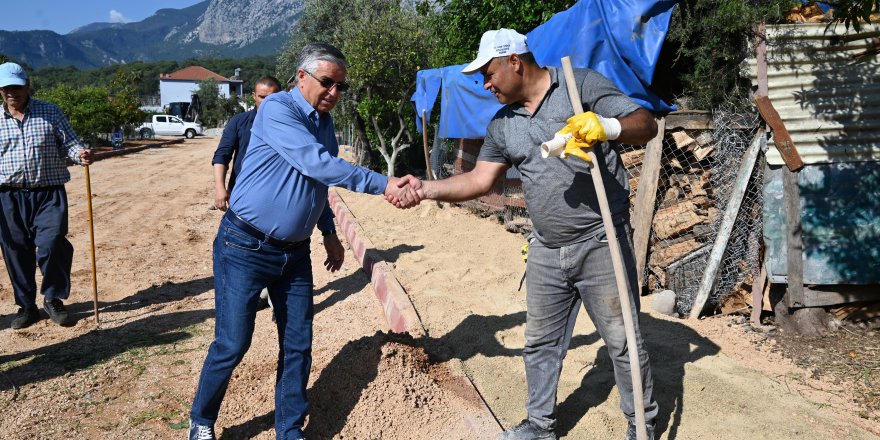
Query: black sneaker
{"type": "Point", "coordinates": [201, 432]}
{"type": "Point", "coordinates": [631, 431]}
{"type": "Point", "coordinates": [56, 310]}
{"type": "Point", "coordinates": [25, 317]}
{"type": "Point", "coordinates": [527, 430]}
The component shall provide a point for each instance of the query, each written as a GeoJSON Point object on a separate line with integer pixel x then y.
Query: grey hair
{"type": "Point", "coordinates": [313, 53]}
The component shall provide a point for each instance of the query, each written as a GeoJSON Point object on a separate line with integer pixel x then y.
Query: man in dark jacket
{"type": "Point", "coordinates": [234, 142]}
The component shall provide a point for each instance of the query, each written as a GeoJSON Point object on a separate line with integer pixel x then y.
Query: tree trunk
{"type": "Point", "coordinates": [807, 321]}
{"type": "Point", "coordinates": [362, 152]}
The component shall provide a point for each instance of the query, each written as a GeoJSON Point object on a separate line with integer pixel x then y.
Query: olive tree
{"type": "Point", "coordinates": [216, 110]}
{"type": "Point", "coordinates": [385, 42]}
{"type": "Point", "coordinates": [457, 25]}
{"type": "Point", "coordinates": [93, 110]}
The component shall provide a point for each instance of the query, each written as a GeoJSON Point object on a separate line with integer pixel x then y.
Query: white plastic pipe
{"type": "Point", "coordinates": [555, 147]}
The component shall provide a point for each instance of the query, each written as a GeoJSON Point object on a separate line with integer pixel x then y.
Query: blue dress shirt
{"type": "Point", "coordinates": [291, 160]}
{"type": "Point", "coordinates": [234, 142]}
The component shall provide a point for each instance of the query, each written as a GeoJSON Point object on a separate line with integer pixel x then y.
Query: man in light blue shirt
{"type": "Point", "coordinates": [263, 240]}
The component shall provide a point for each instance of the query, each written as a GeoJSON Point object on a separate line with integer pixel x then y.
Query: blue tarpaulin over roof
{"type": "Point", "coordinates": [620, 39]}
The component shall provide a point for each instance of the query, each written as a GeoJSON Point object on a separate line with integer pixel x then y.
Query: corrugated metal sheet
{"type": "Point", "coordinates": [829, 102]}
{"type": "Point", "coordinates": [840, 223]}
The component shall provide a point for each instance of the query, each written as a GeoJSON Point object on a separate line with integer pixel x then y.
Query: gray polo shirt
{"type": "Point", "coordinates": [559, 193]}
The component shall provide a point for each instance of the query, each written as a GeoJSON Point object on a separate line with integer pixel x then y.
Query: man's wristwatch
{"type": "Point", "coordinates": [330, 232]}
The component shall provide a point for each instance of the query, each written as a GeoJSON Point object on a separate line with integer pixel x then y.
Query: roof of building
{"type": "Point", "coordinates": [195, 73]}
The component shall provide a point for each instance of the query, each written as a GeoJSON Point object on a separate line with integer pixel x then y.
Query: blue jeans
{"type": "Point", "coordinates": [559, 280]}
{"type": "Point", "coordinates": [33, 230]}
{"type": "Point", "coordinates": [243, 266]}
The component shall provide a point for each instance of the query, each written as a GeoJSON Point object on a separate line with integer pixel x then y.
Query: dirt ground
{"type": "Point", "coordinates": [134, 377]}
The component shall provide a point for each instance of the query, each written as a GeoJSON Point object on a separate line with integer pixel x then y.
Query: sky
{"type": "Point", "coordinates": [63, 16]}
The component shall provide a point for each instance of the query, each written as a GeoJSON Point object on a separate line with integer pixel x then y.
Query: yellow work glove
{"type": "Point", "coordinates": [586, 130]}
{"type": "Point", "coordinates": [581, 132]}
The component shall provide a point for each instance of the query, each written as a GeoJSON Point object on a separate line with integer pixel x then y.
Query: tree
{"type": "Point", "coordinates": [215, 109]}
{"type": "Point", "coordinates": [88, 109]}
{"type": "Point", "coordinates": [310, 28]}
{"type": "Point", "coordinates": [706, 45]}
{"type": "Point", "coordinates": [457, 25]}
{"type": "Point", "coordinates": [385, 44]}
{"type": "Point", "coordinates": [93, 110]}
{"type": "Point", "coordinates": [385, 51]}
{"type": "Point", "coordinates": [853, 12]}
{"type": "Point", "coordinates": [252, 68]}
{"type": "Point", "coordinates": [124, 99]}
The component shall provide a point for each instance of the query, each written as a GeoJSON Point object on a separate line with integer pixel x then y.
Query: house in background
{"type": "Point", "coordinates": [179, 86]}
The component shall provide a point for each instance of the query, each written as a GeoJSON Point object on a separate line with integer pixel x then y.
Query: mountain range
{"type": "Point", "coordinates": [212, 28]}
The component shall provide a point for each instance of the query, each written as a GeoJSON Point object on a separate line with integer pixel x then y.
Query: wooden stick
{"type": "Point", "coordinates": [758, 297]}
{"type": "Point", "coordinates": [710, 275]}
{"type": "Point", "coordinates": [617, 262]}
{"type": "Point", "coordinates": [92, 241]}
{"type": "Point", "coordinates": [428, 171]}
{"type": "Point", "coordinates": [781, 138]}
{"type": "Point", "coordinates": [646, 196]}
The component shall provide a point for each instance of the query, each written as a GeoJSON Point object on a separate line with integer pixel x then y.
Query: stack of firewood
{"type": "Point", "coordinates": [686, 208]}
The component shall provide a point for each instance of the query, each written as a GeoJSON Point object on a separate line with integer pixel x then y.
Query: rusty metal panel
{"type": "Point", "coordinates": [827, 96]}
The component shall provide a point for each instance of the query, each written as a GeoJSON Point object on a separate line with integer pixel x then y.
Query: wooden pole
{"type": "Point", "coordinates": [710, 275]}
{"type": "Point", "coordinates": [617, 262]}
{"type": "Point", "coordinates": [92, 241]}
{"type": "Point", "coordinates": [428, 171]}
{"type": "Point", "coordinates": [758, 297]}
{"type": "Point", "coordinates": [646, 197]}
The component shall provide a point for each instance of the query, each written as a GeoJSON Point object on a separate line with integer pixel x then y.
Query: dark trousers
{"type": "Point", "coordinates": [33, 230]}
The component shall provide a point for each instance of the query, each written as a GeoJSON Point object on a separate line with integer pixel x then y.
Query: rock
{"type": "Point", "coordinates": [664, 302]}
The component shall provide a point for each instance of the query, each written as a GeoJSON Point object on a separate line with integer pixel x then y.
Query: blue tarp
{"type": "Point", "coordinates": [619, 38]}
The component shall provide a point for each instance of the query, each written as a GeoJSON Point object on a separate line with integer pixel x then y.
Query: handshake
{"type": "Point", "coordinates": [405, 192]}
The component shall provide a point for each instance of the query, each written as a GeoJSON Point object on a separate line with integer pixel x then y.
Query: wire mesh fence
{"type": "Point", "coordinates": [698, 171]}
{"type": "Point", "coordinates": [699, 168]}
{"type": "Point", "coordinates": [505, 201]}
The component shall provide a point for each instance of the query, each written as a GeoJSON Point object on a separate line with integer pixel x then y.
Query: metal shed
{"type": "Point", "coordinates": [826, 88]}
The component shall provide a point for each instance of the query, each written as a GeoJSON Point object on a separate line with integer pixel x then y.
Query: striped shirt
{"type": "Point", "coordinates": [33, 150]}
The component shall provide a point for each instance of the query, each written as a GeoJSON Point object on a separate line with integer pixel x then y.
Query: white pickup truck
{"type": "Point", "coordinates": [168, 125]}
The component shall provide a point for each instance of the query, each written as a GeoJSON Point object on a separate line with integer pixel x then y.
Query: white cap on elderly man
{"type": "Point", "coordinates": [12, 74]}
{"type": "Point", "coordinates": [498, 43]}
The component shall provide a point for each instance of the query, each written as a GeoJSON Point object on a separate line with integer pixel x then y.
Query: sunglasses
{"type": "Point", "coordinates": [328, 83]}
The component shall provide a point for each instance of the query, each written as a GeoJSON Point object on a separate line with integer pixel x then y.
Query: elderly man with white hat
{"type": "Point", "coordinates": [569, 260]}
{"type": "Point", "coordinates": [36, 140]}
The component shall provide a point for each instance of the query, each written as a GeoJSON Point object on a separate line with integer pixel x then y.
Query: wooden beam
{"type": "Point", "coordinates": [820, 296]}
{"type": "Point", "coordinates": [689, 121]}
{"type": "Point", "coordinates": [710, 276]}
{"type": "Point", "coordinates": [781, 138]}
{"type": "Point", "coordinates": [794, 244]}
{"type": "Point", "coordinates": [646, 197]}
{"type": "Point", "coordinates": [428, 172]}
{"type": "Point", "coordinates": [758, 286]}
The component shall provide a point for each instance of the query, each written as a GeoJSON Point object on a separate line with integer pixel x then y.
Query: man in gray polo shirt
{"type": "Point", "coordinates": [569, 259]}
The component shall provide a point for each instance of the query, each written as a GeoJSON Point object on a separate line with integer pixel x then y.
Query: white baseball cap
{"type": "Point", "coordinates": [12, 74]}
{"type": "Point", "coordinates": [498, 43]}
